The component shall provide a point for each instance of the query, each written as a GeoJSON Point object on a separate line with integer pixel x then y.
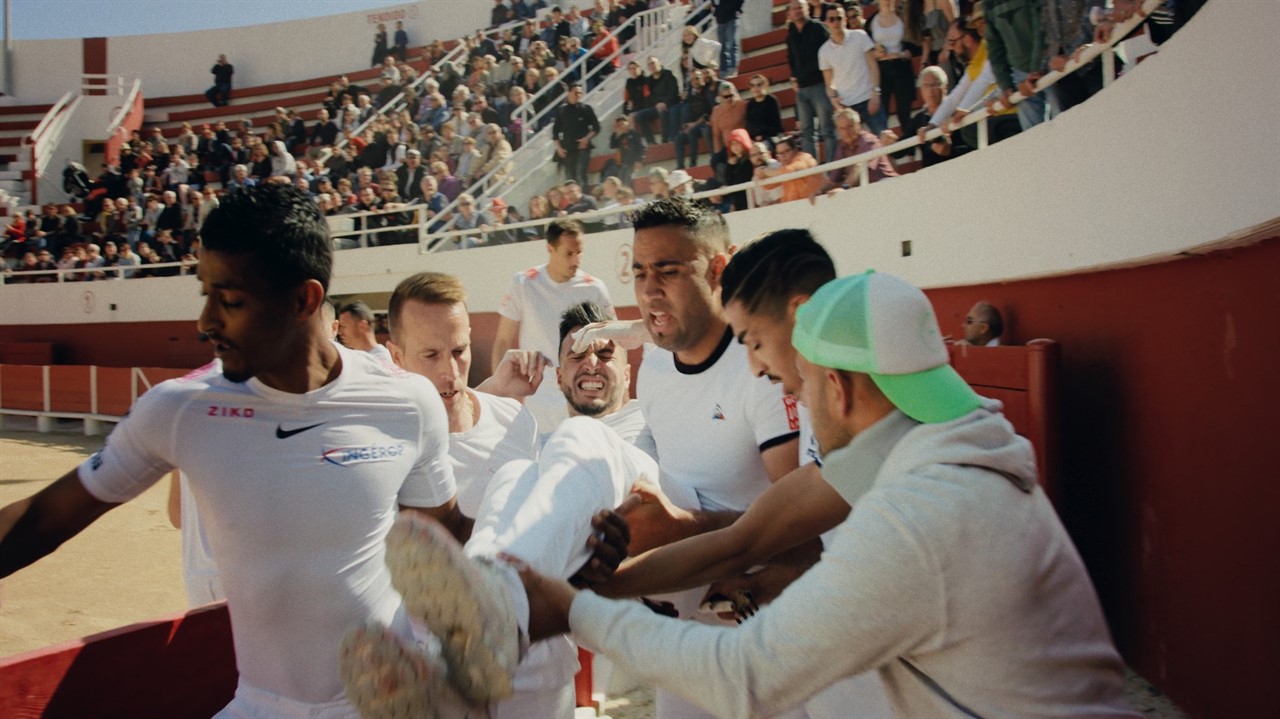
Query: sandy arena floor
{"type": "Point", "coordinates": [127, 567]}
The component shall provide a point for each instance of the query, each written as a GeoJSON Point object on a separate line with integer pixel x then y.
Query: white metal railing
{"type": "Point", "coordinates": [110, 85]}
{"type": "Point", "coordinates": [47, 135]}
{"type": "Point", "coordinates": [117, 121]}
{"type": "Point", "coordinates": [17, 275]}
{"type": "Point", "coordinates": [657, 31]}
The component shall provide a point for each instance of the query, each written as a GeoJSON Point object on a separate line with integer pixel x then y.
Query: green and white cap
{"type": "Point", "coordinates": [883, 326]}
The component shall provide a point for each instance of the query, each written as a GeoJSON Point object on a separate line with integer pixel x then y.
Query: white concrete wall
{"type": "Point", "coordinates": [1134, 175]}
{"type": "Point", "coordinates": [44, 70]}
{"type": "Point", "coordinates": [178, 63]}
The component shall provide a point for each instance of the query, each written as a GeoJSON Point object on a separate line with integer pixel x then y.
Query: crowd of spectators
{"type": "Point", "coordinates": [461, 124]}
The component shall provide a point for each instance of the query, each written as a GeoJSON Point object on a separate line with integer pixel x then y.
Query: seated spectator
{"type": "Point", "coordinates": [494, 223]}
{"type": "Point", "coordinates": [282, 161]}
{"type": "Point", "coordinates": [259, 164]}
{"type": "Point", "coordinates": [636, 91]}
{"type": "Point", "coordinates": [983, 326]}
{"type": "Point", "coordinates": [497, 155]}
{"type": "Point", "coordinates": [447, 184]}
{"type": "Point", "coordinates": [555, 197]}
{"type": "Point", "coordinates": [44, 263]}
{"type": "Point", "coordinates": [539, 209]}
{"type": "Point", "coordinates": [663, 96]}
{"type": "Point", "coordinates": [575, 200]}
{"type": "Point", "coordinates": [15, 237]}
{"type": "Point", "coordinates": [469, 161]}
{"type": "Point", "coordinates": [933, 88]}
{"type": "Point", "coordinates": [738, 167]}
{"type": "Point", "coordinates": [792, 159]}
{"type": "Point", "coordinates": [658, 187]}
{"type": "Point", "coordinates": [763, 116]}
{"type": "Point", "coordinates": [466, 218]}
{"type": "Point", "coordinates": [851, 140]}
{"type": "Point", "coordinates": [19, 275]}
{"type": "Point", "coordinates": [67, 261]}
{"type": "Point", "coordinates": [165, 250]}
{"type": "Point", "coordinates": [604, 54]}
{"type": "Point", "coordinates": [681, 183]}
{"type": "Point", "coordinates": [729, 115]}
{"type": "Point", "coordinates": [325, 131]}
{"type": "Point", "coordinates": [126, 262]}
{"type": "Point", "coordinates": [695, 121]}
{"type": "Point", "coordinates": [628, 151]}
{"type": "Point", "coordinates": [240, 178]}
{"type": "Point", "coordinates": [500, 14]}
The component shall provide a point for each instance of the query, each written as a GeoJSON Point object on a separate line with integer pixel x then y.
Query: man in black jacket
{"type": "Point", "coordinates": [575, 126]}
{"type": "Point", "coordinates": [664, 98]}
{"type": "Point", "coordinates": [220, 93]}
{"type": "Point", "coordinates": [813, 106]}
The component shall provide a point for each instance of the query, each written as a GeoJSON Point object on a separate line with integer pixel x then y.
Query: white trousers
{"type": "Point", "coordinates": [540, 512]}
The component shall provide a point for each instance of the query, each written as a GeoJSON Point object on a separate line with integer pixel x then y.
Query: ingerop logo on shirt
{"type": "Point", "coordinates": [347, 456]}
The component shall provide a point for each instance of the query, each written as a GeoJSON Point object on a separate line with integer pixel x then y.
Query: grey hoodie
{"type": "Point", "coordinates": [952, 576]}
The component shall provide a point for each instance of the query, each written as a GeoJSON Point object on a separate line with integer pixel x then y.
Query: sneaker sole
{"type": "Point", "coordinates": [463, 604]}
{"type": "Point", "coordinates": [385, 679]}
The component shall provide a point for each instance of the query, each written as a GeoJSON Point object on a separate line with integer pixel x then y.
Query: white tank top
{"type": "Point", "coordinates": [890, 37]}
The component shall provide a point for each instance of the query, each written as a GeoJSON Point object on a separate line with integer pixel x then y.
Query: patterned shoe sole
{"type": "Point", "coordinates": [464, 603]}
{"type": "Point", "coordinates": [385, 679]}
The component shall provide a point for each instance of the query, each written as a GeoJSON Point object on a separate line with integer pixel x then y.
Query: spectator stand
{"type": "Point", "coordinates": [455, 53]}
{"type": "Point", "coordinates": [532, 169]}
{"type": "Point", "coordinates": [657, 32]}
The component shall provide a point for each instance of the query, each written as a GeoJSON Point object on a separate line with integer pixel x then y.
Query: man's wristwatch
{"type": "Point", "coordinates": [875, 90]}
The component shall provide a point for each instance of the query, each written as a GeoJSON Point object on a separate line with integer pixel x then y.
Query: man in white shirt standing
{"type": "Point", "coordinates": [530, 311]}
{"type": "Point", "coordinates": [355, 330]}
{"type": "Point", "coordinates": [851, 71]}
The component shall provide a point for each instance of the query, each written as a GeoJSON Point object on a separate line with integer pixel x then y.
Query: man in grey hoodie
{"type": "Point", "coordinates": [952, 576]}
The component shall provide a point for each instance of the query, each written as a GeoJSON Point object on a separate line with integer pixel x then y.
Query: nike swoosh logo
{"type": "Point", "coordinates": [282, 433]}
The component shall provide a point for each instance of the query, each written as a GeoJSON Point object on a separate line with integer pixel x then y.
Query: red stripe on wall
{"type": "Point", "coordinates": [94, 50]}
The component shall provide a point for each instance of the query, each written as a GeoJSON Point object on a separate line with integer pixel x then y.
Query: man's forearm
{"type": "Point", "coordinates": [32, 528]}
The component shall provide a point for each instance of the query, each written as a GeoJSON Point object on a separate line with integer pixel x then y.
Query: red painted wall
{"type": "Point", "coordinates": [94, 62]}
{"type": "Point", "coordinates": [1170, 488]}
{"type": "Point", "coordinates": [1168, 382]}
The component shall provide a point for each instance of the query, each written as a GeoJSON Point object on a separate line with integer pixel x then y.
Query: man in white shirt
{"type": "Point", "coordinates": [298, 450]}
{"type": "Point", "coordinates": [530, 311]}
{"type": "Point", "coordinates": [849, 67]}
{"type": "Point", "coordinates": [355, 330]}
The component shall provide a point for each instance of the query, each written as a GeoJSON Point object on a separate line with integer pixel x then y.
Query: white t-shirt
{"type": "Point", "coordinates": [629, 423]}
{"type": "Point", "coordinates": [710, 424]}
{"type": "Point", "coordinates": [381, 352]}
{"type": "Point", "coordinates": [495, 439]}
{"type": "Point", "coordinates": [536, 302]}
{"type": "Point", "coordinates": [848, 63]}
{"type": "Point", "coordinates": [297, 493]}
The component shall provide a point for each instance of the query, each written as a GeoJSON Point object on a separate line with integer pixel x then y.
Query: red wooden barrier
{"type": "Point", "coordinates": [70, 389]}
{"type": "Point", "coordinates": [22, 387]}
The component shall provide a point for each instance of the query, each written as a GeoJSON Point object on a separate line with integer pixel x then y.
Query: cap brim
{"type": "Point", "coordinates": [932, 396]}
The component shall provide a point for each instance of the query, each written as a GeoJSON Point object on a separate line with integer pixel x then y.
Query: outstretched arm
{"type": "Point", "coordinates": [796, 509]}
{"type": "Point", "coordinates": [33, 527]}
